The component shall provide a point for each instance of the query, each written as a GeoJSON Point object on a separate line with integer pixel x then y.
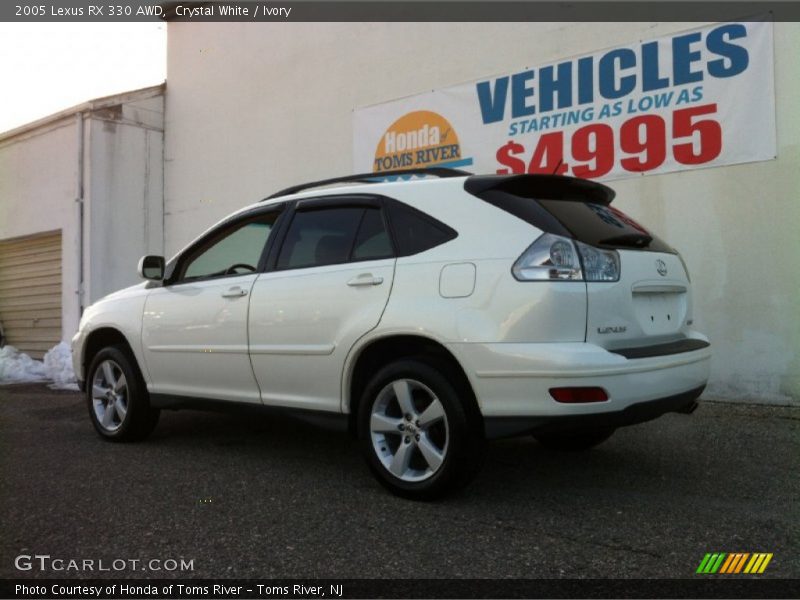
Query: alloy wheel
{"type": "Point", "coordinates": [109, 395]}
{"type": "Point", "coordinates": [409, 430]}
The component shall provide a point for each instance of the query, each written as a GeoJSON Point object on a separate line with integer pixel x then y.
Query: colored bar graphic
{"type": "Point", "coordinates": [754, 563]}
{"type": "Point", "coordinates": [764, 564]}
{"type": "Point", "coordinates": [730, 564]}
{"type": "Point", "coordinates": [711, 562]}
{"type": "Point", "coordinates": [703, 563]}
{"type": "Point", "coordinates": [740, 564]}
{"type": "Point", "coordinates": [734, 563]}
{"type": "Point", "coordinates": [727, 564]}
{"type": "Point", "coordinates": [718, 563]}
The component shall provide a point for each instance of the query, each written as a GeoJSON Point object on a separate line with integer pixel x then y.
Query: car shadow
{"type": "Point", "coordinates": [644, 459]}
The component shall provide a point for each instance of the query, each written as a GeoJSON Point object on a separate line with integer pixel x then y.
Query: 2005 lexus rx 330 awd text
{"type": "Point", "coordinates": [426, 315]}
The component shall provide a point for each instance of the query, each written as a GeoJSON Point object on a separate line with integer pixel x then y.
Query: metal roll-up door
{"type": "Point", "coordinates": [30, 292]}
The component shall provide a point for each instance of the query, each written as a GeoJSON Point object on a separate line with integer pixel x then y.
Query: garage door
{"type": "Point", "coordinates": [30, 292]}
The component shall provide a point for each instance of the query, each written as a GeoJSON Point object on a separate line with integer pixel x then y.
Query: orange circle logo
{"type": "Point", "coordinates": [417, 140]}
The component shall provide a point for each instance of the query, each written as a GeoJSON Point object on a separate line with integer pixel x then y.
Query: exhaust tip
{"type": "Point", "coordinates": [689, 408]}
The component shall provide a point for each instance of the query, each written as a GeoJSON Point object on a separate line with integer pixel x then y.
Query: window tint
{"type": "Point", "coordinates": [334, 236]}
{"type": "Point", "coordinates": [415, 231]}
{"type": "Point", "coordinates": [601, 225]}
{"type": "Point", "coordinates": [241, 244]}
{"type": "Point", "coordinates": [525, 208]}
{"type": "Point", "coordinates": [320, 237]}
{"type": "Point", "coordinates": [372, 240]}
{"type": "Point", "coordinates": [573, 216]}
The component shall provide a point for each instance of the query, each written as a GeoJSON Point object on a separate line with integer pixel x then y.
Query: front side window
{"type": "Point", "coordinates": [333, 236]}
{"type": "Point", "coordinates": [235, 251]}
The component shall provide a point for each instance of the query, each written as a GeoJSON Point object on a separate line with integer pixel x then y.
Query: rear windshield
{"type": "Point", "coordinates": [588, 222]}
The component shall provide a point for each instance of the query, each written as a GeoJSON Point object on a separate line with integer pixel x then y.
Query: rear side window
{"type": "Point", "coordinates": [333, 236]}
{"type": "Point", "coordinates": [589, 222]}
{"type": "Point", "coordinates": [372, 240]}
{"type": "Point", "coordinates": [415, 231]}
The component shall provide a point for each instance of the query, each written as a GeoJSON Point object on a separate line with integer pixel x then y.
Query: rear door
{"type": "Point", "coordinates": [651, 302]}
{"type": "Point", "coordinates": [328, 285]}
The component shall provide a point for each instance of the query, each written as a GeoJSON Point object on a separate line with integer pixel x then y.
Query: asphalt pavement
{"type": "Point", "coordinates": [240, 496]}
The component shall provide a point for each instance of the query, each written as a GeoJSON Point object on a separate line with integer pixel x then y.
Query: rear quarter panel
{"type": "Point", "coordinates": [500, 308]}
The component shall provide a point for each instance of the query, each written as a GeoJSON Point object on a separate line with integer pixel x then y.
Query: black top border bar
{"type": "Point", "coordinates": [407, 11]}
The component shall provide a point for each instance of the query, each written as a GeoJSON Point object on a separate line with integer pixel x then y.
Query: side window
{"type": "Point", "coordinates": [372, 240]}
{"type": "Point", "coordinates": [332, 236]}
{"type": "Point", "coordinates": [235, 251]}
{"type": "Point", "coordinates": [415, 231]}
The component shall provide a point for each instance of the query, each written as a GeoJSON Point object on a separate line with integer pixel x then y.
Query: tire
{"type": "Point", "coordinates": [439, 449]}
{"type": "Point", "coordinates": [117, 397]}
{"type": "Point", "coordinates": [574, 441]}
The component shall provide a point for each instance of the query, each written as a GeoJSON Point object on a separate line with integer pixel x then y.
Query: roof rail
{"type": "Point", "coordinates": [371, 178]}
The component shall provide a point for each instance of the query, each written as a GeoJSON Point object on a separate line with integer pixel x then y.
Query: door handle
{"type": "Point", "coordinates": [365, 279]}
{"type": "Point", "coordinates": [234, 292]}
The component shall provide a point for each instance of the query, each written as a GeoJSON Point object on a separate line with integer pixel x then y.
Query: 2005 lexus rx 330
{"type": "Point", "coordinates": [427, 315]}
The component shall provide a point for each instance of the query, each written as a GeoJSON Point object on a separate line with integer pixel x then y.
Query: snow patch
{"type": "Point", "coordinates": [18, 367]}
{"type": "Point", "coordinates": [58, 364]}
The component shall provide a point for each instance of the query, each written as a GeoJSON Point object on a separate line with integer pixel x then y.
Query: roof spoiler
{"type": "Point", "coordinates": [557, 187]}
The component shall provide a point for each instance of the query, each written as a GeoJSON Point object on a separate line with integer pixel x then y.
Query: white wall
{"type": "Point", "coordinates": [124, 197]}
{"type": "Point", "coordinates": [252, 108]}
{"type": "Point", "coordinates": [122, 181]}
{"type": "Point", "coordinates": [38, 179]}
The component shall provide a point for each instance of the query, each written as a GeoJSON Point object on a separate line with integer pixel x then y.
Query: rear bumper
{"type": "Point", "coordinates": [512, 381]}
{"type": "Point", "coordinates": [497, 427]}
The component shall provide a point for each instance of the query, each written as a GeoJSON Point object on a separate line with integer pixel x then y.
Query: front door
{"type": "Point", "coordinates": [194, 331]}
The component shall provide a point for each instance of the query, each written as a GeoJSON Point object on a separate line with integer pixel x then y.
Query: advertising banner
{"type": "Point", "coordinates": [694, 99]}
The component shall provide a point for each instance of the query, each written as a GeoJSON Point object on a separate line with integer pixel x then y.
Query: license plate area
{"type": "Point", "coordinates": [659, 313]}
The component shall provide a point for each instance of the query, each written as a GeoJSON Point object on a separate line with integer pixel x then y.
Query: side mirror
{"type": "Point", "coordinates": [151, 267]}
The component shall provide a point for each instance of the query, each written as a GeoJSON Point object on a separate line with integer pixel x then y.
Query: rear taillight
{"type": "Point", "coordinates": [551, 257]}
{"type": "Point", "coordinates": [574, 395]}
{"type": "Point", "coordinates": [599, 265]}
{"type": "Point", "coordinates": [557, 258]}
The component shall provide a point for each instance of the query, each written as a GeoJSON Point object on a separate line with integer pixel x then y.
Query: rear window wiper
{"type": "Point", "coordinates": [635, 240]}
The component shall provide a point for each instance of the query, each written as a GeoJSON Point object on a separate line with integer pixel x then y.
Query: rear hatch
{"type": "Point", "coordinates": [649, 305]}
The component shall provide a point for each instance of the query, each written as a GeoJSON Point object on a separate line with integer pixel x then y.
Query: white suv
{"type": "Point", "coordinates": [425, 316]}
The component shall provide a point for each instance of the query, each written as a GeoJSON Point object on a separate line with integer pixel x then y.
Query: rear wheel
{"type": "Point", "coordinates": [574, 441]}
{"type": "Point", "coordinates": [117, 397]}
{"type": "Point", "coordinates": [419, 437]}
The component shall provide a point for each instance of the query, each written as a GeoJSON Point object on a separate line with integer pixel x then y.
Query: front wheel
{"type": "Point", "coordinates": [574, 441]}
{"type": "Point", "coordinates": [117, 397]}
{"type": "Point", "coordinates": [420, 436]}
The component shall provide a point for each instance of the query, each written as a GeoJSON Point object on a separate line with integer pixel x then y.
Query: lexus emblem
{"type": "Point", "coordinates": [661, 267]}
